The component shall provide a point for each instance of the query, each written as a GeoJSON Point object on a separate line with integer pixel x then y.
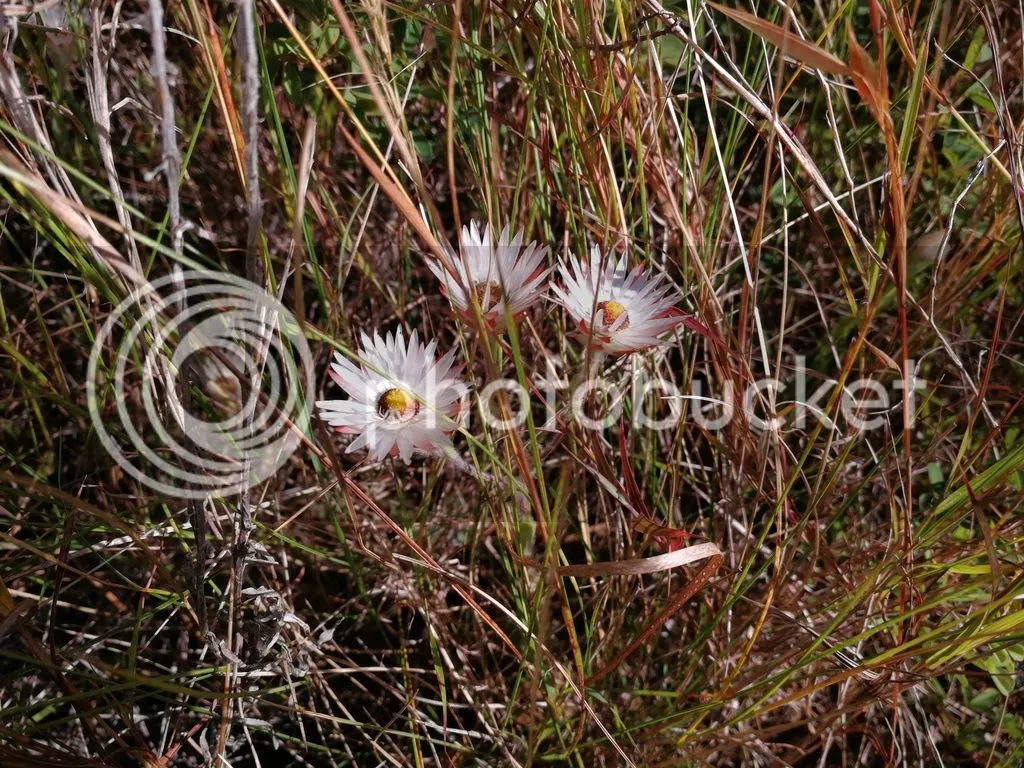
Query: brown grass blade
{"type": "Point", "coordinates": [643, 565]}
{"type": "Point", "coordinates": [866, 78]}
{"type": "Point", "coordinates": [790, 44]}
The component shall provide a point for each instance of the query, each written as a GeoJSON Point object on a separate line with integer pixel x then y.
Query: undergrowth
{"type": "Point", "coordinates": [848, 211]}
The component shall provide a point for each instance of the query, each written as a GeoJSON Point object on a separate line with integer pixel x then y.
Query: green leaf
{"type": "Point", "coordinates": [291, 83]}
{"type": "Point", "coordinates": [985, 701]}
{"type": "Point", "coordinates": [670, 50]}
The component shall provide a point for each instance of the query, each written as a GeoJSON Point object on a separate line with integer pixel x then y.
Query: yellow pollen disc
{"type": "Point", "coordinates": [612, 311]}
{"type": "Point", "coordinates": [397, 403]}
{"type": "Point", "coordinates": [487, 293]}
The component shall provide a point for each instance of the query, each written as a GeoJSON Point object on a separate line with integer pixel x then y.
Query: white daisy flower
{"type": "Point", "coordinates": [630, 309]}
{"type": "Point", "coordinates": [498, 274]}
{"type": "Point", "coordinates": [402, 399]}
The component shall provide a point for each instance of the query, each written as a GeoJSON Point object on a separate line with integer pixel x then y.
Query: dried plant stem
{"type": "Point", "coordinates": [168, 131]}
{"type": "Point", "coordinates": [250, 125]}
{"type": "Point", "coordinates": [244, 522]}
{"type": "Point", "coordinates": [172, 173]}
{"type": "Point", "coordinates": [98, 97]}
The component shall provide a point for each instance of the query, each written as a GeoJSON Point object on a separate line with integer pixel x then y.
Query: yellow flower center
{"type": "Point", "coordinates": [397, 404]}
{"type": "Point", "coordinates": [611, 311]}
{"type": "Point", "coordinates": [487, 293]}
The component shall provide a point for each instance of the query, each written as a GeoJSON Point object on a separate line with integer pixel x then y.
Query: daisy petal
{"type": "Point", "coordinates": [400, 395]}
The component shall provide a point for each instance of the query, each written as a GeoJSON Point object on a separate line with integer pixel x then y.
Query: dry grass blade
{"type": "Point", "coordinates": [677, 601]}
{"type": "Point", "coordinates": [644, 565]}
{"type": "Point", "coordinates": [789, 44]}
{"type": "Point", "coordinates": [867, 79]}
{"type": "Point", "coordinates": [69, 213]}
